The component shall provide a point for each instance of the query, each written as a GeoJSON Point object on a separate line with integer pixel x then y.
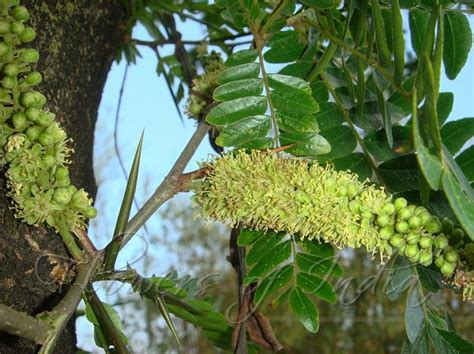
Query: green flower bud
{"type": "Point", "coordinates": [342, 191]}
{"type": "Point", "coordinates": [45, 118]}
{"type": "Point", "coordinates": [19, 121]}
{"type": "Point", "coordinates": [447, 225]}
{"type": "Point", "coordinates": [4, 49]}
{"type": "Point", "coordinates": [11, 70]}
{"type": "Point", "coordinates": [90, 212]}
{"type": "Point", "coordinates": [45, 139]}
{"type": "Point", "coordinates": [66, 182]}
{"type": "Point", "coordinates": [62, 196]}
{"type": "Point", "coordinates": [403, 214]}
{"type": "Point", "coordinates": [33, 99]}
{"type": "Point", "coordinates": [354, 206]}
{"type": "Point", "coordinates": [72, 189]}
{"type": "Point", "coordinates": [400, 203]}
{"type": "Point", "coordinates": [20, 13]}
{"type": "Point", "coordinates": [388, 209]}
{"type": "Point", "coordinates": [402, 227]}
{"type": "Point", "coordinates": [34, 78]}
{"type": "Point", "coordinates": [4, 27]}
{"type": "Point", "coordinates": [56, 133]}
{"type": "Point", "coordinates": [9, 82]}
{"type": "Point", "coordinates": [415, 258]}
{"type": "Point", "coordinates": [28, 35]}
{"type": "Point", "coordinates": [426, 258]}
{"type": "Point", "coordinates": [384, 220]}
{"type": "Point", "coordinates": [425, 218]}
{"type": "Point", "coordinates": [17, 27]}
{"type": "Point", "coordinates": [401, 250]}
{"type": "Point", "coordinates": [412, 208]}
{"type": "Point", "coordinates": [397, 241]}
{"type": "Point", "coordinates": [456, 235]}
{"type": "Point", "coordinates": [426, 242]}
{"type": "Point", "coordinates": [33, 133]}
{"type": "Point", "coordinates": [413, 238]}
{"type": "Point", "coordinates": [414, 222]}
{"type": "Point", "coordinates": [439, 261]}
{"type": "Point", "coordinates": [420, 210]}
{"type": "Point", "coordinates": [434, 226]}
{"type": "Point", "coordinates": [411, 251]}
{"type": "Point", "coordinates": [352, 191]}
{"type": "Point", "coordinates": [32, 113]}
{"type": "Point", "coordinates": [447, 269]}
{"type": "Point", "coordinates": [386, 232]}
{"type": "Point", "coordinates": [451, 256]}
{"type": "Point", "coordinates": [49, 160]}
{"type": "Point", "coordinates": [366, 214]}
{"type": "Point", "coordinates": [440, 242]}
{"type": "Point", "coordinates": [80, 199]}
{"type": "Point", "coordinates": [61, 173]}
{"type": "Point", "coordinates": [29, 56]}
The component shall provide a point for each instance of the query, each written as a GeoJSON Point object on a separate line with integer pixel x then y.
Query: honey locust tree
{"type": "Point", "coordinates": [332, 134]}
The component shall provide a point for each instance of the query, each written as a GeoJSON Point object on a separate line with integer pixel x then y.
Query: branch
{"type": "Point", "coordinates": [160, 42]}
{"type": "Point", "coordinates": [63, 311]}
{"type": "Point", "coordinates": [168, 188]}
{"type": "Point", "coordinates": [22, 325]}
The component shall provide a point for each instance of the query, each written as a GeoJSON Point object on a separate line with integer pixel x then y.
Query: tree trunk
{"type": "Point", "coordinates": [77, 40]}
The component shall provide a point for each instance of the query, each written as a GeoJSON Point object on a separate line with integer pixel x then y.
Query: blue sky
{"type": "Point", "coordinates": [147, 105]}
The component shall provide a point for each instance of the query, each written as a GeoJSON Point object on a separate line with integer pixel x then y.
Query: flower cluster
{"type": "Point", "coordinates": [33, 145]}
{"type": "Point", "coordinates": [265, 191]}
{"type": "Point", "coordinates": [204, 85]}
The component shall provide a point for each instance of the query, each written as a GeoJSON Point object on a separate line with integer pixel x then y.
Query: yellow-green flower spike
{"type": "Point", "coordinates": [267, 192]}
{"type": "Point", "coordinates": [32, 145]}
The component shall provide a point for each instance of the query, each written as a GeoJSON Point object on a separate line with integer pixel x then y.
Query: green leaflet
{"type": "Point", "coordinates": [329, 116]}
{"type": "Point", "coordinates": [414, 315]}
{"type": "Point", "coordinates": [400, 277]}
{"type": "Point", "coordinates": [457, 43]}
{"type": "Point", "coordinates": [284, 47]}
{"type": "Point", "coordinates": [273, 257]}
{"type": "Point", "coordinates": [261, 246]}
{"type": "Point", "coordinates": [307, 144]}
{"type": "Point", "coordinates": [303, 124]}
{"type": "Point", "coordinates": [304, 309]}
{"type": "Point", "coordinates": [466, 162]}
{"type": "Point", "coordinates": [314, 264]}
{"type": "Point", "coordinates": [378, 146]}
{"type": "Point", "coordinates": [462, 205]}
{"type": "Point", "coordinates": [418, 25]}
{"type": "Point", "coordinates": [276, 280]}
{"type": "Point", "coordinates": [320, 4]}
{"type": "Point", "coordinates": [444, 106]}
{"type": "Point", "coordinates": [241, 57]}
{"type": "Point", "coordinates": [244, 131]}
{"type": "Point", "coordinates": [317, 286]}
{"type": "Point", "coordinates": [239, 72]}
{"type": "Point", "coordinates": [248, 237]}
{"type": "Point", "coordinates": [238, 89]}
{"type": "Point", "coordinates": [232, 111]}
{"type": "Point", "coordinates": [355, 162]}
{"type": "Point", "coordinates": [318, 249]}
{"type": "Point", "coordinates": [456, 133]}
{"type": "Point", "coordinates": [342, 142]}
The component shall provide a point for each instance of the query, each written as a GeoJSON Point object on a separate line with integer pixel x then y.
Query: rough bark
{"type": "Point", "coordinates": [77, 41]}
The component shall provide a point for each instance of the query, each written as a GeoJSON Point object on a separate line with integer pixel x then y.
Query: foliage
{"type": "Point", "coordinates": [329, 82]}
